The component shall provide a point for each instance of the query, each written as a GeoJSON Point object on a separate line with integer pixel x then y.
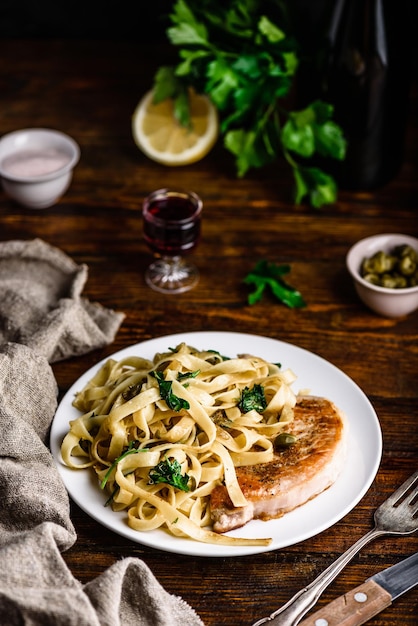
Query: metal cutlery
{"type": "Point", "coordinates": [398, 515]}
{"type": "Point", "coordinates": [367, 600]}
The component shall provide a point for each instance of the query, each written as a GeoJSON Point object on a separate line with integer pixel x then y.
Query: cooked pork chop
{"type": "Point", "coordinates": [295, 475]}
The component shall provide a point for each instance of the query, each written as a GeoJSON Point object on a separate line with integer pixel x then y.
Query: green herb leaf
{"type": "Point", "coordinates": [253, 399]}
{"type": "Point", "coordinates": [222, 356]}
{"type": "Point", "coordinates": [169, 472]}
{"type": "Point", "coordinates": [249, 149]}
{"type": "Point", "coordinates": [116, 489]}
{"type": "Point", "coordinates": [310, 130]}
{"type": "Point", "coordinates": [272, 33]}
{"type": "Point", "coordinates": [187, 29]}
{"type": "Point", "coordinates": [168, 85]}
{"type": "Point", "coordinates": [222, 82]}
{"type": "Point", "coordinates": [270, 275]}
{"type": "Point", "coordinates": [315, 184]}
{"type": "Point", "coordinates": [186, 375]}
{"type": "Point", "coordinates": [131, 450]}
{"type": "Point", "coordinates": [173, 402]}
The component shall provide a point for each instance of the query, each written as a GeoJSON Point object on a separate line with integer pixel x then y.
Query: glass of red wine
{"type": "Point", "coordinates": [171, 225]}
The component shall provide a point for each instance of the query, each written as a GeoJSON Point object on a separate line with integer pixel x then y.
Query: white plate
{"type": "Point", "coordinates": [313, 374]}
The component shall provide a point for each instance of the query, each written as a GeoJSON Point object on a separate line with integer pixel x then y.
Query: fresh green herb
{"type": "Point", "coordinates": [243, 56]}
{"type": "Point", "coordinates": [115, 491]}
{"type": "Point", "coordinates": [112, 495]}
{"type": "Point", "coordinates": [173, 402]}
{"type": "Point", "coordinates": [253, 399]}
{"type": "Point", "coordinates": [169, 472]}
{"type": "Point", "coordinates": [185, 375]}
{"type": "Point", "coordinates": [267, 274]}
{"type": "Point", "coordinates": [130, 450]}
{"type": "Point", "coordinates": [223, 357]}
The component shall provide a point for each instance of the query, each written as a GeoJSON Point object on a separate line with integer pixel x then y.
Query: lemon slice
{"type": "Point", "coordinates": [158, 134]}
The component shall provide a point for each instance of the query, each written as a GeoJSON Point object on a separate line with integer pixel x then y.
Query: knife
{"type": "Point", "coordinates": [364, 602]}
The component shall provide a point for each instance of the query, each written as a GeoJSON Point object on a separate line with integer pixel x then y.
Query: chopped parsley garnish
{"type": "Point", "coordinates": [169, 472]}
{"type": "Point", "coordinates": [253, 399]}
{"type": "Point", "coordinates": [115, 491]}
{"type": "Point", "coordinates": [173, 402]}
{"type": "Point", "coordinates": [185, 375]}
{"type": "Point", "coordinates": [130, 450]}
{"type": "Point", "coordinates": [223, 357]}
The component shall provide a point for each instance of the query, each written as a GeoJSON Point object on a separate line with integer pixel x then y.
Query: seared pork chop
{"type": "Point", "coordinates": [295, 475]}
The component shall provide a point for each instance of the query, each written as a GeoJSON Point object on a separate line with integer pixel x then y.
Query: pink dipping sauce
{"type": "Point", "coordinates": [34, 162]}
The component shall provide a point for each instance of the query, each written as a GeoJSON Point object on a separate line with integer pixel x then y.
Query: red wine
{"type": "Point", "coordinates": [172, 222]}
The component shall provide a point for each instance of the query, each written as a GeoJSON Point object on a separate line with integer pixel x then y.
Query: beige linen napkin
{"type": "Point", "coordinates": [36, 586]}
{"type": "Point", "coordinates": [41, 304]}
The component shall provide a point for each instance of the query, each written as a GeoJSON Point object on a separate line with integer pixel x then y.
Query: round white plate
{"type": "Point", "coordinates": [314, 374]}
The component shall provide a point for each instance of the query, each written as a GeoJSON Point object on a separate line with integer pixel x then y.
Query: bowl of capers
{"type": "Point", "coordinates": [385, 272]}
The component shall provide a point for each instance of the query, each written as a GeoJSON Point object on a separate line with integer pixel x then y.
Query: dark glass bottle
{"type": "Point", "coordinates": [364, 73]}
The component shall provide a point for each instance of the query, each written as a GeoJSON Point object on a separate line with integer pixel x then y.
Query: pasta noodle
{"type": "Point", "coordinates": [161, 434]}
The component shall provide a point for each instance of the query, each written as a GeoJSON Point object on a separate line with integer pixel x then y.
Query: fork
{"type": "Point", "coordinates": [398, 515]}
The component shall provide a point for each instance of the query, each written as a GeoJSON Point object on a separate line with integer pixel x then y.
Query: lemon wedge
{"type": "Point", "coordinates": [160, 136]}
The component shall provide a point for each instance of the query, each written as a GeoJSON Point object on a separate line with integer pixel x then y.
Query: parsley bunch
{"type": "Point", "coordinates": [239, 54]}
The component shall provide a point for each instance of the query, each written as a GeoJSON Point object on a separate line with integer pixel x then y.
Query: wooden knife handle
{"type": "Point", "coordinates": [352, 609]}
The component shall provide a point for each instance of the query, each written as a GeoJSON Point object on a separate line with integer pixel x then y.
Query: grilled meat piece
{"type": "Point", "coordinates": [295, 475]}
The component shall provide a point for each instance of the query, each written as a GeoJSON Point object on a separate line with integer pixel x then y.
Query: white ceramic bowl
{"type": "Point", "coordinates": [36, 165]}
{"type": "Point", "coordinates": [382, 300]}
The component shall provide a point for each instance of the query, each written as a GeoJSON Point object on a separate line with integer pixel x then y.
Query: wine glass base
{"type": "Point", "coordinates": [171, 276]}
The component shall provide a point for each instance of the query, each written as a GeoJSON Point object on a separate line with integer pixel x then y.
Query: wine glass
{"type": "Point", "coordinates": [171, 223]}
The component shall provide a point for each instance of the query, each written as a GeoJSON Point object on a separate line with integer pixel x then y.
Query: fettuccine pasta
{"type": "Point", "coordinates": [161, 434]}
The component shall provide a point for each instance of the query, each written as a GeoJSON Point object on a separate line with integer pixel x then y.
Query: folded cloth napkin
{"type": "Point", "coordinates": [41, 304]}
{"type": "Point", "coordinates": [43, 319]}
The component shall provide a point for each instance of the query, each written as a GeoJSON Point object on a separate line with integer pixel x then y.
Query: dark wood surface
{"type": "Point", "coordinates": [89, 90]}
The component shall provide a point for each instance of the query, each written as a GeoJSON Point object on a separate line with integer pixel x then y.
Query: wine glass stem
{"type": "Point", "coordinates": [171, 275]}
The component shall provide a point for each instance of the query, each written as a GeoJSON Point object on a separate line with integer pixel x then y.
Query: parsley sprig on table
{"type": "Point", "coordinates": [270, 275]}
{"type": "Point", "coordinates": [239, 54]}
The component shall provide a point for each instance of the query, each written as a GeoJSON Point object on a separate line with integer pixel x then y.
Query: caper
{"type": "Point", "coordinates": [374, 279]}
{"type": "Point", "coordinates": [283, 441]}
{"type": "Point", "coordinates": [367, 268]}
{"type": "Point", "coordinates": [405, 250]}
{"type": "Point", "coordinates": [397, 269]}
{"type": "Point", "coordinates": [413, 280]}
{"type": "Point", "coordinates": [394, 281]}
{"type": "Point", "coordinates": [407, 266]}
{"type": "Point", "coordinates": [401, 282]}
{"type": "Point", "coordinates": [388, 281]}
{"type": "Point", "coordinates": [383, 262]}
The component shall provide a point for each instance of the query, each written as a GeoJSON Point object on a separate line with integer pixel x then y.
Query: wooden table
{"type": "Point", "coordinates": [89, 90]}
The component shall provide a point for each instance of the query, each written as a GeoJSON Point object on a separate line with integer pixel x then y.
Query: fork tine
{"type": "Point", "coordinates": [399, 494]}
